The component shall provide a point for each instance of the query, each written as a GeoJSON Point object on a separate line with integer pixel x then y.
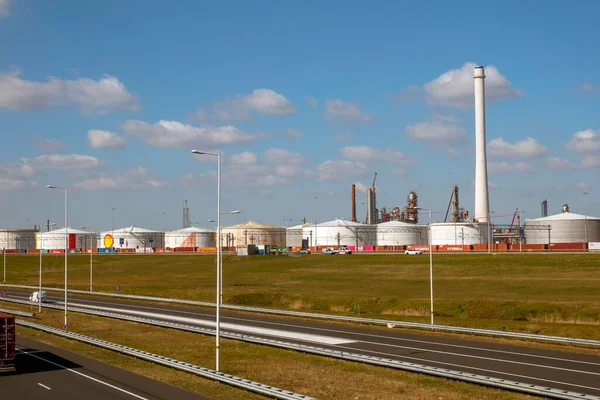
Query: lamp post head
{"type": "Point", "coordinates": [211, 220]}
{"type": "Point", "coordinates": [198, 152]}
{"type": "Point", "coordinates": [235, 212]}
{"type": "Point", "coordinates": [51, 187]}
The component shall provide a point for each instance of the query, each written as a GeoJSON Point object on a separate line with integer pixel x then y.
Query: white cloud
{"type": "Point", "coordinates": [343, 137]}
{"type": "Point", "coordinates": [282, 157]}
{"type": "Point", "coordinates": [294, 134]}
{"type": "Point", "coordinates": [235, 175]}
{"type": "Point", "coordinates": [557, 163]}
{"type": "Point", "coordinates": [585, 141]}
{"type": "Point", "coordinates": [505, 168]}
{"type": "Point", "coordinates": [64, 162]}
{"type": "Point", "coordinates": [590, 161]}
{"type": "Point", "coordinates": [366, 153]}
{"type": "Point", "coordinates": [173, 134]}
{"type": "Point", "coordinates": [244, 158]}
{"type": "Point", "coordinates": [312, 103]}
{"type": "Point", "coordinates": [92, 96]}
{"type": "Point", "coordinates": [436, 131]}
{"type": "Point", "coordinates": [528, 148]}
{"type": "Point", "coordinates": [288, 170]}
{"type": "Point", "coordinates": [49, 145]}
{"type": "Point", "coordinates": [135, 178]}
{"type": "Point", "coordinates": [4, 8]}
{"type": "Point", "coordinates": [582, 185]}
{"type": "Point", "coordinates": [263, 101]}
{"type": "Point", "coordinates": [588, 88]}
{"type": "Point", "coordinates": [340, 170]}
{"type": "Point", "coordinates": [103, 139]}
{"type": "Point", "coordinates": [339, 110]}
{"type": "Point", "coordinates": [15, 170]}
{"type": "Point", "coordinates": [361, 187]}
{"type": "Point", "coordinates": [8, 184]}
{"type": "Point", "coordinates": [455, 88]}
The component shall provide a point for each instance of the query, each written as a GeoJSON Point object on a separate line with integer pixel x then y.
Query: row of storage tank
{"type": "Point", "coordinates": [559, 228]}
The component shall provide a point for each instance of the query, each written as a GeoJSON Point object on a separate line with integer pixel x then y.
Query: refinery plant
{"type": "Point", "coordinates": [393, 229]}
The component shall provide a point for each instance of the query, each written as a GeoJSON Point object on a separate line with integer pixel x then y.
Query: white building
{"type": "Point", "coordinates": [459, 233]}
{"type": "Point", "coordinates": [253, 233]}
{"type": "Point", "coordinates": [294, 236]}
{"type": "Point", "coordinates": [132, 237]}
{"type": "Point", "coordinates": [17, 239]}
{"type": "Point", "coordinates": [566, 227]}
{"type": "Point", "coordinates": [190, 237]}
{"type": "Point", "coordinates": [396, 233]}
{"type": "Point", "coordinates": [55, 240]}
{"type": "Point", "coordinates": [340, 232]}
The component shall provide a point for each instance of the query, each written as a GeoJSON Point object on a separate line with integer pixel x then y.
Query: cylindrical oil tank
{"type": "Point", "coordinates": [76, 239]}
{"type": "Point", "coordinates": [17, 239]}
{"type": "Point", "coordinates": [190, 237]}
{"type": "Point", "coordinates": [565, 227]}
{"type": "Point", "coordinates": [340, 232]}
{"type": "Point", "coordinates": [254, 233]}
{"type": "Point", "coordinates": [132, 237]}
{"type": "Point", "coordinates": [396, 233]}
{"type": "Point", "coordinates": [293, 236]}
{"type": "Point", "coordinates": [460, 233]}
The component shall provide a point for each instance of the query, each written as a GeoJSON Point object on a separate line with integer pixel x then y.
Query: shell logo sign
{"type": "Point", "coordinates": [108, 241]}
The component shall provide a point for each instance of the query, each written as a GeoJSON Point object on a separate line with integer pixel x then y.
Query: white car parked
{"type": "Point", "coordinates": [35, 298]}
{"type": "Point", "coordinates": [413, 252]}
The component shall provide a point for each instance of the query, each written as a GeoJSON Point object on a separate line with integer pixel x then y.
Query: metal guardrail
{"type": "Point", "coordinates": [232, 380]}
{"type": "Point", "coordinates": [343, 355]}
{"type": "Point", "coordinates": [403, 324]}
{"type": "Point", "coordinates": [16, 312]}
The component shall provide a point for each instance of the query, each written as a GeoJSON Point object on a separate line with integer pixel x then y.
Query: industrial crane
{"type": "Point", "coordinates": [374, 178]}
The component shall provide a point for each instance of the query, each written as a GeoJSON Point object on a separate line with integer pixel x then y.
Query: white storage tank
{"type": "Point", "coordinates": [396, 233]}
{"type": "Point", "coordinates": [55, 240]}
{"type": "Point", "coordinates": [340, 232]}
{"type": "Point", "coordinates": [459, 233]}
{"type": "Point", "coordinates": [293, 236]}
{"type": "Point", "coordinates": [17, 239]}
{"type": "Point", "coordinates": [253, 233]}
{"type": "Point", "coordinates": [190, 237]}
{"type": "Point", "coordinates": [132, 237]}
{"type": "Point", "coordinates": [566, 227]}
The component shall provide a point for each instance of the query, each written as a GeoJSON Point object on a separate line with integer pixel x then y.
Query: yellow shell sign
{"type": "Point", "coordinates": [108, 241]}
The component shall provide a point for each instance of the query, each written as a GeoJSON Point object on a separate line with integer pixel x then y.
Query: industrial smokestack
{"type": "Point", "coordinates": [353, 202]}
{"type": "Point", "coordinates": [482, 200]}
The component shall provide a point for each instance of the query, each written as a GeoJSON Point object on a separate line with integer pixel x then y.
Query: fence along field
{"type": "Point", "coordinates": [554, 294]}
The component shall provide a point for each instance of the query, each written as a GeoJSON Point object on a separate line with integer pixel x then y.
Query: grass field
{"type": "Point", "coordinates": [307, 374]}
{"type": "Point", "coordinates": [553, 294]}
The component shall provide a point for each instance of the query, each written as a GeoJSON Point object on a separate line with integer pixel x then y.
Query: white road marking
{"type": "Point", "coordinates": [307, 337]}
{"type": "Point", "coordinates": [83, 375]}
{"type": "Point", "coordinates": [398, 339]}
{"type": "Point", "coordinates": [473, 368]}
{"type": "Point", "coordinates": [44, 386]}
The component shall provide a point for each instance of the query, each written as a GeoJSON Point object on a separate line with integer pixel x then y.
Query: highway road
{"type": "Point", "coordinates": [47, 372]}
{"type": "Point", "coordinates": [557, 369]}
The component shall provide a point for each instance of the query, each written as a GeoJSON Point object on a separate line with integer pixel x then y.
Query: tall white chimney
{"type": "Point", "coordinates": [482, 200]}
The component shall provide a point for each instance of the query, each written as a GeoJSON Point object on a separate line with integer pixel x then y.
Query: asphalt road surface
{"type": "Point", "coordinates": [557, 369]}
{"type": "Point", "coordinates": [47, 372]}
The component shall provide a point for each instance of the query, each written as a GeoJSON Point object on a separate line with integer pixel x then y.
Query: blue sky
{"type": "Point", "coordinates": [304, 99]}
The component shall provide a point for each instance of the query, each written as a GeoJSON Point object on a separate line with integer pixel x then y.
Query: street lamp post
{"type": "Point", "coordinates": [430, 264]}
{"type": "Point", "coordinates": [40, 282]}
{"type": "Point", "coordinates": [112, 228]}
{"type": "Point", "coordinates": [585, 221]}
{"type": "Point", "coordinates": [221, 260]}
{"type": "Point", "coordinates": [91, 256]}
{"type": "Point", "coordinates": [218, 316]}
{"type": "Point", "coordinates": [66, 325]}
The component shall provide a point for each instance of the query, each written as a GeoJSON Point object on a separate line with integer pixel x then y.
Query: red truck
{"type": "Point", "coordinates": [7, 342]}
